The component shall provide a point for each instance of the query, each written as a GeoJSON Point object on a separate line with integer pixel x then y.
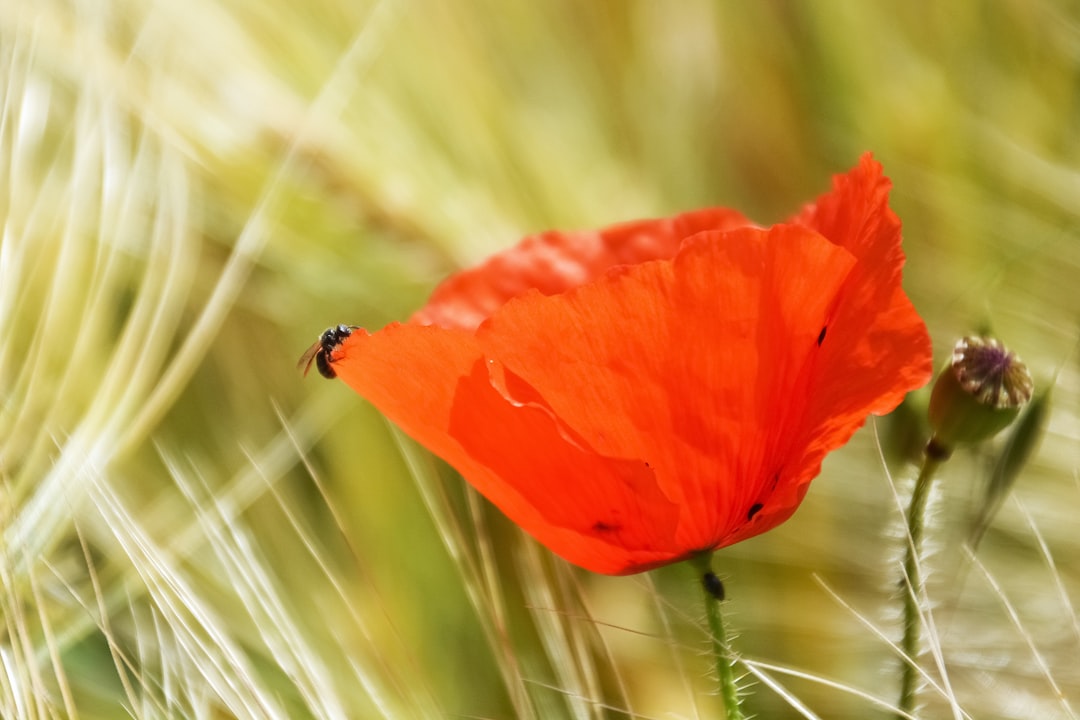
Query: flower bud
{"type": "Point", "coordinates": [977, 395]}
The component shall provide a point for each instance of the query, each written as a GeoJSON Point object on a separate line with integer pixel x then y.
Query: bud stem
{"type": "Point", "coordinates": [913, 581]}
{"type": "Point", "coordinates": [725, 657]}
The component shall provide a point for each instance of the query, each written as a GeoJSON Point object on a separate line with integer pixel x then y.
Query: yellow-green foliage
{"type": "Point", "coordinates": [190, 191]}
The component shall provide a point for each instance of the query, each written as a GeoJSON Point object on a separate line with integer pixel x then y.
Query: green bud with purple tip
{"type": "Point", "coordinates": [978, 394]}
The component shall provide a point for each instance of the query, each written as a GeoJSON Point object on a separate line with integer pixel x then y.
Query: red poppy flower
{"type": "Point", "coordinates": [640, 394]}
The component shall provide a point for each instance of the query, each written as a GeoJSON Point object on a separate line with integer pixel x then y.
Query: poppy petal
{"type": "Point", "coordinates": [553, 262]}
{"type": "Point", "coordinates": [700, 366]}
{"type": "Point", "coordinates": [433, 383]}
{"type": "Point", "coordinates": [600, 512]}
{"type": "Point", "coordinates": [856, 216]}
{"type": "Point", "coordinates": [876, 348]}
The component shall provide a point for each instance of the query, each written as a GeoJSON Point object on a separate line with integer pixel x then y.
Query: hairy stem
{"type": "Point", "coordinates": [913, 580]}
{"type": "Point", "coordinates": [713, 594]}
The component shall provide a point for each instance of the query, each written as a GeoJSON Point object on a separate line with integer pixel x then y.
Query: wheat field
{"type": "Point", "coordinates": [192, 191]}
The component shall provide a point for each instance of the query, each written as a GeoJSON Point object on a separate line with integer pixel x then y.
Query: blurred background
{"type": "Point", "coordinates": [192, 191]}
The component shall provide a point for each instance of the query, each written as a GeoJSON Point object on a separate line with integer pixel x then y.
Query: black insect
{"type": "Point", "coordinates": [320, 352]}
{"type": "Point", "coordinates": [713, 586]}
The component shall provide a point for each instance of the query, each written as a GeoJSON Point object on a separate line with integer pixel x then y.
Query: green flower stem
{"type": "Point", "coordinates": [916, 520]}
{"type": "Point", "coordinates": [725, 658]}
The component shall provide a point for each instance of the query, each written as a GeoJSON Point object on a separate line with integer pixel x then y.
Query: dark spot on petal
{"type": "Point", "coordinates": [775, 481]}
{"type": "Point", "coordinates": [601, 526]}
{"type": "Point", "coordinates": [821, 335]}
{"type": "Point", "coordinates": [754, 510]}
{"type": "Point", "coordinates": [713, 586]}
{"type": "Point", "coordinates": [648, 465]}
